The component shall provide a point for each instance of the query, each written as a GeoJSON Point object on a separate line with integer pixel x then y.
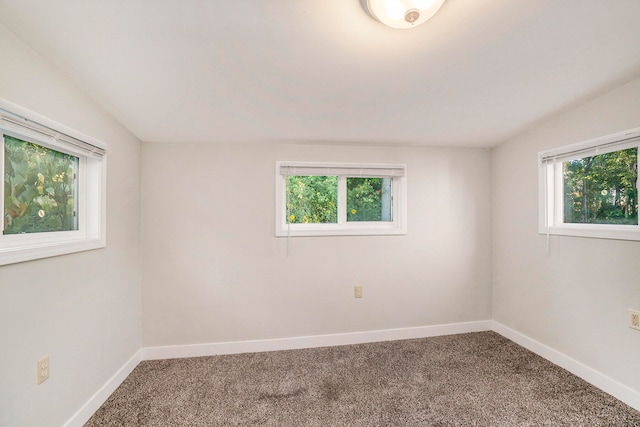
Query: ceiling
{"type": "Point", "coordinates": [323, 71]}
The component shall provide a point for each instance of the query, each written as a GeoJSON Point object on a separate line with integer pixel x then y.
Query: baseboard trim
{"type": "Point", "coordinates": [618, 390]}
{"type": "Point", "coordinates": [88, 409]}
{"type": "Point", "coordinates": [235, 347]}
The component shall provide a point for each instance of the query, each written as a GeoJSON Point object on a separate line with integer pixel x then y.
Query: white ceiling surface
{"type": "Point", "coordinates": [215, 71]}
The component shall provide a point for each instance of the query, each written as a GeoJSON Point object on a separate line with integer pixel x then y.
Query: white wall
{"type": "Point", "coordinates": [213, 271]}
{"type": "Point", "coordinates": [575, 297]}
{"type": "Point", "coordinates": [83, 310]}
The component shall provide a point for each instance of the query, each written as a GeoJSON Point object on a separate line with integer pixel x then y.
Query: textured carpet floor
{"type": "Point", "coordinates": [477, 379]}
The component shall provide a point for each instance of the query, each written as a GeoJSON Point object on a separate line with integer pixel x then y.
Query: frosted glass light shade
{"type": "Point", "coordinates": [403, 13]}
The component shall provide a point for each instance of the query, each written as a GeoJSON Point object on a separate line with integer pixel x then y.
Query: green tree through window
{"type": "Point", "coordinates": [312, 199]}
{"type": "Point", "coordinates": [369, 199]}
{"type": "Point", "coordinates": [40, 188]}
{"type": "Point", "coordinates": [602, 189]}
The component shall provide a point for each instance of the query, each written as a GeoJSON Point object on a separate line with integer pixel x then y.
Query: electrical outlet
{"type": "Point", "coordinates": [43, 370]}
{"type": "Point", "coordinates": [357, 291]}
{"type": "Point", "coordinates": [634, 319]}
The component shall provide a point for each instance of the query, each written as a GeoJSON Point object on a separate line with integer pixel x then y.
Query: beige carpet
{"type": "Point", "coordinates": [477, 379]}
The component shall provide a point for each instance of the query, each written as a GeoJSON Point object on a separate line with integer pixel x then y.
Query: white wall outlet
{"type": "Point", "coordinates": [357, 291]}
{"type": "Point", "coordinates": [43, 369]}
{"type": "Point", "coordinates": [634, 319]}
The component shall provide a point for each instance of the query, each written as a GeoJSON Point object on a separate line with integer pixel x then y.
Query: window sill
{"type": "Point", "coordinates": [45, 250]}
{"type": "Point", "coordinates": [595, 231]}
{"type": "Point", "coordinates": [359, 230]}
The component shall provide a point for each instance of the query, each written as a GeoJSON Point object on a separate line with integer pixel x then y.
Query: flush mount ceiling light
{"type": "Point", "coordinates": [403, 13]}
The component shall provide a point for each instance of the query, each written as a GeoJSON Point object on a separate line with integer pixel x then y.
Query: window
{"type": "Point", "coordinates": [41, 188]}
{"type": "Point", "coordinates": [590, 189]}
{"type": "Point", "coordinates": [53, 194]}
{"type": "Point", "coordinates": [319, 199]}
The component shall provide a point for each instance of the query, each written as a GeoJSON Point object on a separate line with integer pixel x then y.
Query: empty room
{"type": "Point", "coordinates": [319, 213]}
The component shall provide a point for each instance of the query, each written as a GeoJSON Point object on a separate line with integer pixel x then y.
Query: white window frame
{"type": "Point", "coordinates": [26, 125]}
{"type": "Point", "coordinates": [398, 224]}
{"type": "Point", "coordinates": [551, 200]}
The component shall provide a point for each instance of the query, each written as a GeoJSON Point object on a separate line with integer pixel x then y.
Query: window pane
{"type": "Point", "coordinates": [602, 189]}
{"type": "Point", "coordinates": [312, 199]}
{"type": "Point", "coordinates": [40, 188]}
{"type": "Point", "coordinates": [369, 199]}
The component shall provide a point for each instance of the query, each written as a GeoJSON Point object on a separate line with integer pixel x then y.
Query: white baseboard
{"type": "Point", "coordinates": [618, 390]}
{"type": "Point", "coordinates": [235, 347]}
{"type": "Point", "coordinates": [88, 409]}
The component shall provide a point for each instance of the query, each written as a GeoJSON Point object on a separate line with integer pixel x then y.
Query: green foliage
{"type": "Point", "coordinates": [602, 189]}
{"type": "Point", "coordinates": [312, 199]}
{"type": "Point", "coordinates": [365, 199]}
{"type": "Point", "coordinates": [39, 188]}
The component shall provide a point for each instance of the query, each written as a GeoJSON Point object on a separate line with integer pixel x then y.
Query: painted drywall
{"type": "Point", "coordinates": [574, 295]}
{"type": "Point", "coordinates": [83, 310]}
{"type": "Point", "coordinates": [213, 270]}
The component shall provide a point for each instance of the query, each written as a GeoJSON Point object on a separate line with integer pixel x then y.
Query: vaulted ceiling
{"type": "Point", "coordinates": [214, 71]}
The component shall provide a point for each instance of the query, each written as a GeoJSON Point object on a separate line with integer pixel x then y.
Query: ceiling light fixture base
{"type": "Point", "coordinates": [403, 14]}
